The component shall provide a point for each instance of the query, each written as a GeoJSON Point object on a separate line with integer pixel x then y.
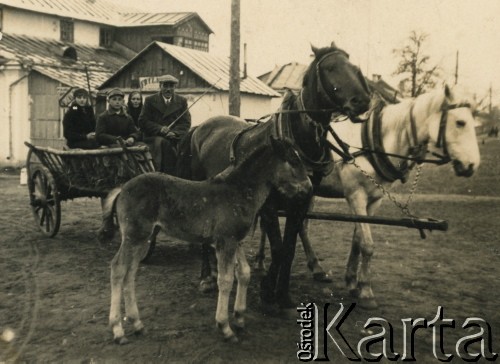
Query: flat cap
{"type": "Point", "coordinates": [115, 92]}
{"type": "Point", "coordinates": [80, 92]}
{"type": "Point", "coordinates": [168, 79]}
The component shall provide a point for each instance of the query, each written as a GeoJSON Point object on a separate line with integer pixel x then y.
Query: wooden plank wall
{"type": "Point", "coordinates": [45, 113]}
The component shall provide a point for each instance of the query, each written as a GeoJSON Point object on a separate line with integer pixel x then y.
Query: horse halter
{"type": "Point", "coordinates": [441, 139]}
{"type": "Point", "coordinates": [321, 87]}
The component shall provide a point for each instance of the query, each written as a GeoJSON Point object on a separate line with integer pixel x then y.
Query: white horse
{"type": "Point", "coordinates": [439, 121]}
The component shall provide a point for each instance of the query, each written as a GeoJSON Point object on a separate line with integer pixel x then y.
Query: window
{"type": "Point", "coordinates": [67, 30]}
{"type": "Point", "coordinates": [105, 37]}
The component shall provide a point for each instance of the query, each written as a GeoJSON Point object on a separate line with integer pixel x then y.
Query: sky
{"type": "Point", "coordinates": [277, 32]}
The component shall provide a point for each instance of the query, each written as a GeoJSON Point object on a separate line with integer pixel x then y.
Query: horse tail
{"type": "Point", "coordinates": [184, 155]}
{"type": "Point", "coordinates": [107, 230]}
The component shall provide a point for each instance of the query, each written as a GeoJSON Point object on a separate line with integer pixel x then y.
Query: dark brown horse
{"type": "Point", "coordinates": [331, 85]}
{"type": "Point", "coordinates": [218, 211]}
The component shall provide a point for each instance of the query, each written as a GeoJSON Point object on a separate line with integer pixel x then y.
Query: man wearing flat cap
{"type": "Point", "coordinates": [165, 119]}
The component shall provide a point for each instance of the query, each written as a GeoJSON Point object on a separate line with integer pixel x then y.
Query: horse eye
{"type": "Point", "coordinates": [460, 123]}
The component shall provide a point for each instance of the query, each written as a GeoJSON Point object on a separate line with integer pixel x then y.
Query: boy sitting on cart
{"type": "Point", "coordinates": [115, 123]}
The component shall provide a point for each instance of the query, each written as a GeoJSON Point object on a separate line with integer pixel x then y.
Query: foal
{"type": "Point", "coordinates": [219, 211]}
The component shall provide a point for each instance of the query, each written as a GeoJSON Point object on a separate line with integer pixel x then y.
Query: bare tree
{"type": "Point", "coordinates": [414, 65]}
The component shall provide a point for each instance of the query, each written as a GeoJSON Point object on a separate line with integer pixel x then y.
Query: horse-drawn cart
{"type": "Point", "coordinates": [58, 175]}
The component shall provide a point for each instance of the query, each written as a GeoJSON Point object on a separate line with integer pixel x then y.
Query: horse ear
{"type": "Point", "coordinates": [447, 91]}
{"type": "Point", "coordinates": [314, 49]}
{"type": "Point", "coordinates": [279, 147]}
{"type": "Point", "coordinates": [333, 45]}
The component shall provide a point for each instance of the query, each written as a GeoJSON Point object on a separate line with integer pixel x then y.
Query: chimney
{"type": "Point", "coordinates": [376, 77]}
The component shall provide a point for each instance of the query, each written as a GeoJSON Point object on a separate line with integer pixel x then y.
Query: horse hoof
{"type": "Point", "coordinates": [232, 339]}
{"type": "Point", "coordinates": [367, 303]}
{"type": "Point", "coordinates": [322, 277]}
{"type": "Point", "coordinates": [207, 286]}
{"type": "Point", "coordinates": [121, 340]}
{"type": "Point", "coordinates": [139, 332]}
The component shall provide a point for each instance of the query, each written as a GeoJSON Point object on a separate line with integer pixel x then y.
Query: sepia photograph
{"type": "Point", "coordinates": [249, 181]}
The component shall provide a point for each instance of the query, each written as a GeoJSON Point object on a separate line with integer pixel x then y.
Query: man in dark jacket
{"type": "Point", "coordinates": [165, 119]}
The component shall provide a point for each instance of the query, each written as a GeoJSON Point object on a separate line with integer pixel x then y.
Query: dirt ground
{"type": "Point", "coordinates": [54, 292]}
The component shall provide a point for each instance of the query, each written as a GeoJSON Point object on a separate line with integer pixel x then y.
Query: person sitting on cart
{"type": "Point", "coordinates": [164, 120]}
{"type": "Point", "coordinates": [116, 123]}
{"type": "Point", "coordinates": [79, 122]}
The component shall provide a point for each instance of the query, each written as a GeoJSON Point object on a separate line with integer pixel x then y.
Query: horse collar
{"type": "Point", "coordinates": [417, 150]}
{"type": "Point", "coordinates": [372, 141]}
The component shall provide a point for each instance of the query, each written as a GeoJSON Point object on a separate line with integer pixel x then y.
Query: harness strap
{"type": "Point", "coordinates": [324, 164]}
{"type": "Point", "coordinates": [232, 148]}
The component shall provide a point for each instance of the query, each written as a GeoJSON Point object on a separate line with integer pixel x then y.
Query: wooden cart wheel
{"type": "Point", "coordinates": [44, 200]}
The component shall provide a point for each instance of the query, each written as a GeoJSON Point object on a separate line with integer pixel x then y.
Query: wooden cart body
{"type": "Point", "coordinates": [56, 175]}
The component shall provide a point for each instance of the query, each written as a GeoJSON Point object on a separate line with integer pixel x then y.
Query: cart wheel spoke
{"type": "Point", "coordinates": [45, 200]}
{"type": "Point", "coordinates": [42, 218]}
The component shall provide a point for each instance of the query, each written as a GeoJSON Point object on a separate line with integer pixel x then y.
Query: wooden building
{"type": "Point", "coordinates": [50, 47]}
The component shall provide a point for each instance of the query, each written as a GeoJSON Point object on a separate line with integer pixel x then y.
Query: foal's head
{"type": "Point", "coordinates": [275, 164]}
{"type": "Point", "coordinates": [287, 173]}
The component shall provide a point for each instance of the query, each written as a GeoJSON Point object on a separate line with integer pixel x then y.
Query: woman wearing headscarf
{"type": "Point", "coordinates": [134, 106]}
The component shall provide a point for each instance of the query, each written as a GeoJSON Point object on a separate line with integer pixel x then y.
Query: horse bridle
{"type": "Point", "coordinates": [441, 139]}
{"type": "Point", "coordinates": [321, 88]}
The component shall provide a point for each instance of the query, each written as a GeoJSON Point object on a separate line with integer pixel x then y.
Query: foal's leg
{"type": "Point", "coordinates": [119, 269]}
{"type": "Point", "coordinates": [123, 271]}
{"type": "Point", "coordinates": [226, 257]}
{"type": "Point", "coordinates": [243, 277]}
{"type": "Point", "coordinates": [131, 309]}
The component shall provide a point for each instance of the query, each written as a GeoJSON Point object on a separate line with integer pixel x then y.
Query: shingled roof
{"type": "Point", "coordinates": [55, 59]}
{"type": "Point", "coordinates": [102, 12]}
{"type": "Point", "coordinates": [213, 69]}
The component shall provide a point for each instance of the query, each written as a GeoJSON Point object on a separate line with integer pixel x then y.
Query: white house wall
{"type": "Point", "coordinates": [14, 117]}
{"type": "Point", "coordinates": [28, 23]}
{"type": "Point", "coordinates": [252, 107]}
{"type": "Point", "coordinates": [47, 26]}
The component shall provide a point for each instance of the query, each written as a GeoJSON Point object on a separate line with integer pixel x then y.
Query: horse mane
{"type": "Point", "coordinates": [241, 165]}
{"type": "Point", "coordinates": [318, 54]}
{"type": "Point", "coordinates": [288, 100]}
{"type": "Point", "coordinates": [183, 166]}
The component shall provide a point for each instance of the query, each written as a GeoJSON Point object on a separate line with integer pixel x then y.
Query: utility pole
{"type": "Point", "coordinates": [456, 69]}
{"type": "Point", "coordinates": [234, 71]}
